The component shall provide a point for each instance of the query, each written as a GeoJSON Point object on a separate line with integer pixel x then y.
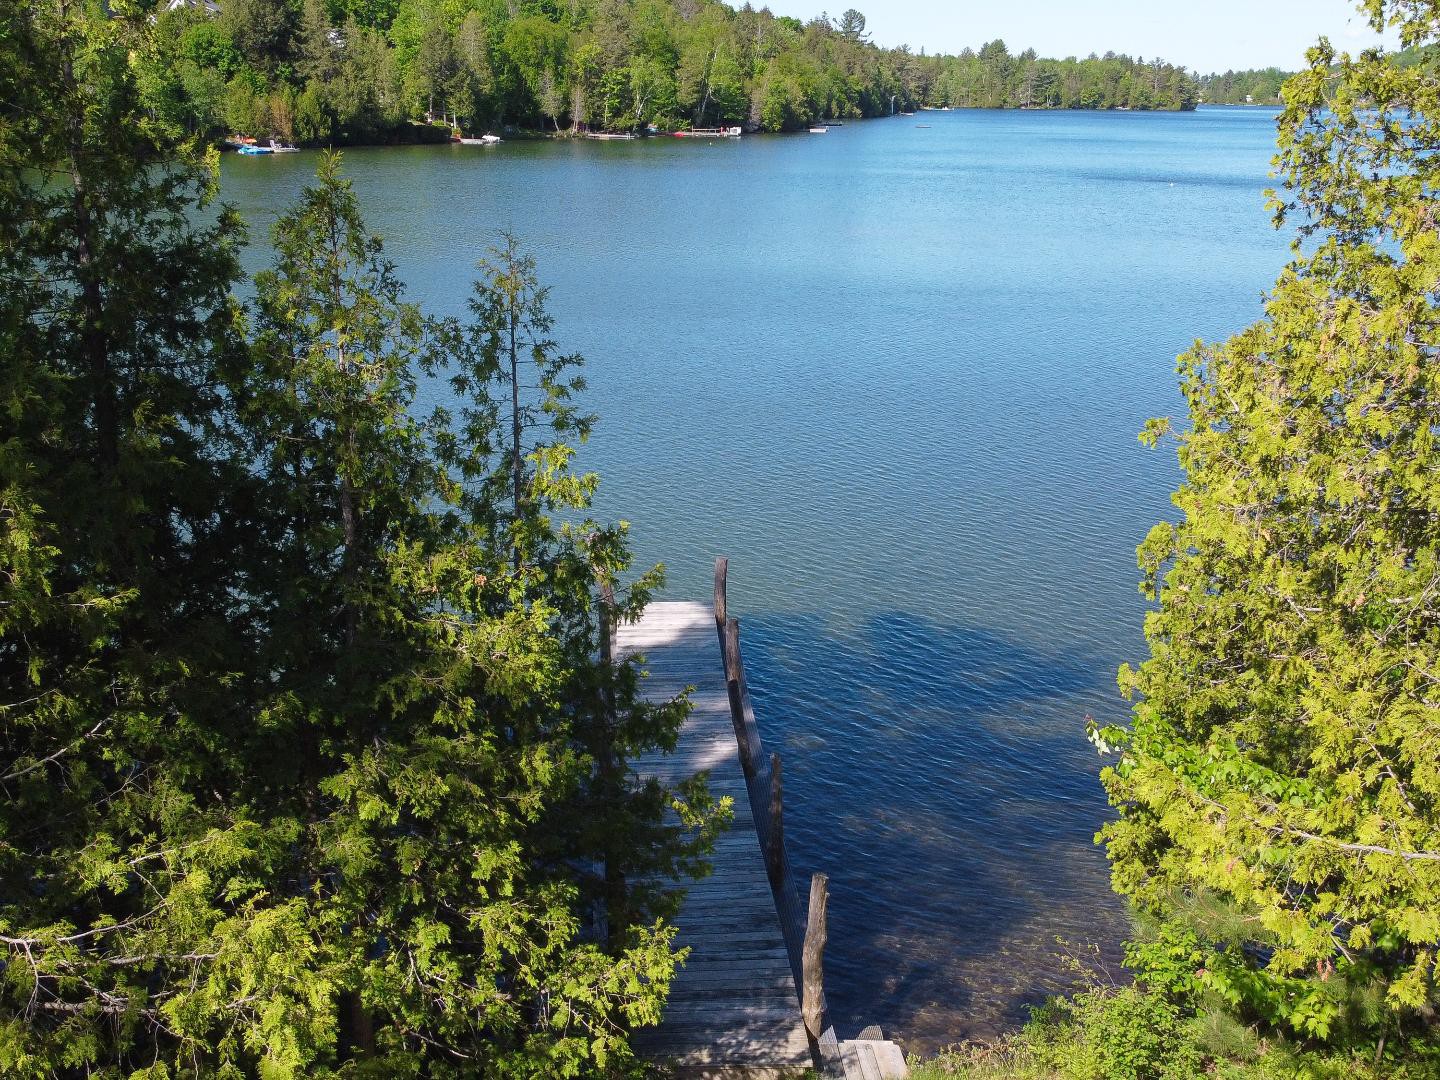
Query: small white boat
{"type": "Point", "coordinates": [819, 130]}
{"type": "Point", "coordinates": [282, 148]}
{"type": "Point", "coordinates": [484, 140]}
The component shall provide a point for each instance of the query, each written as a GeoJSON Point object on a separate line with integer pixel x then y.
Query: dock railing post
{"type": "Point", "coordinates": [775, 842]}
{"type": "Point", "coordinates": [722, 571]}
{"type": "Point", "coordinates": [812, 994]}
{"type": "Point", "coordinates": [804, 936]}
{"type": "Point", "coordinates": [745, 738]}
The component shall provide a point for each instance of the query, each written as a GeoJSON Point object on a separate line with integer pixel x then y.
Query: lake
{"type": "Point", "coordinates": [896, 373]}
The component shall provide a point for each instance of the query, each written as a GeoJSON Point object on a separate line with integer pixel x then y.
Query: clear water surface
{"type": "Point", "coordinates": [896, 373]}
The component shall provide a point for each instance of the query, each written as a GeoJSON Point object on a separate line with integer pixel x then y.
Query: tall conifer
{"type": "Point", "coordinates": [1279, 793]}
{"type": "Point", "coordinates": [129, 869]}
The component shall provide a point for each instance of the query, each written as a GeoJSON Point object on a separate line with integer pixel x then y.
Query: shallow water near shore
{"type": "Point", "coordinates": [896, 374]}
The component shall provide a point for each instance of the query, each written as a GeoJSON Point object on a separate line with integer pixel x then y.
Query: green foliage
{"type": "Point", "coordinates": [595, 65]}
{"type": "Point", "coordinates": [993, 79]}
{"type": "Point", "coordinates": [312, 761]}
{"type": "Point", "coordinates": [122, 870]}
{"type": "Point", "coordinates": [1101, 1034]}
{"type": "Point", "coordinates": [1123, 1034]}
{"type": "Point", "coordinates": [1261, 87]}
{"type": "Point", "coordinates": [263, 31]}
{"type": "Point", "coordinates": [1130, 1033]}
{"type": "Point", "coordinates": [1279, 791]}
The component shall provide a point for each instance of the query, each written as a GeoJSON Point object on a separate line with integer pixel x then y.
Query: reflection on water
{"type": "Point", "coordinates": [896, 375]}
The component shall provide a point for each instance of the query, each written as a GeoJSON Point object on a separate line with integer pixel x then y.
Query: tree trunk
{"type": "Point", "coordinates": [705, 101]}
{"type": "Point", "coordinates": [94, 343]}
{"type": "Point", "coordinates": [517, 465]}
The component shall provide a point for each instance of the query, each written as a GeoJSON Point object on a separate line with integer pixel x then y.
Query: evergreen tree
{"type": "Point", "coordinates": [513, 452]}
{"type": "Point", "coordinates": [510, 342]}
{"type": "Point", "coordinates": [318, 59]}
{"type": "Point", "coordinates": [264, 31]}
{"type": "Point", "coordinates": [1279, 793]}
{"type": "Point", "coordinates": [302, 770]}
{"type": "Point", "coordinates": [444, 726]}
{"type": "Point", "coordinates": [852, 25]}
{"type": "Point", "coordinates": [130, 870]}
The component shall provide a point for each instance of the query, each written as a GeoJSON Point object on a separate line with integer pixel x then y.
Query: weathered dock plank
{"type": "Point", "coordinates": [734, 1008]}
{"type": "Point", "coordinates": [872, 1059]}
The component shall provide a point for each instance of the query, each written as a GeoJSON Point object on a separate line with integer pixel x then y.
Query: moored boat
{"type": "Point", "coordinates": [819, 129]}
{"type": "Point", "coordinates": [732, 132]}
{"type": "Point", "coordinates": [255, 149]}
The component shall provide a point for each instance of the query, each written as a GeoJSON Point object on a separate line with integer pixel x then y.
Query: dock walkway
{"type": "Point", "coordinates": [734, 1007]}
{"type": "Point", "coordinates": [750, 1000]}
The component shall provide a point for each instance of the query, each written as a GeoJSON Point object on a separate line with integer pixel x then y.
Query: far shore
{"type": "Point", "coordinates": [422, 133]}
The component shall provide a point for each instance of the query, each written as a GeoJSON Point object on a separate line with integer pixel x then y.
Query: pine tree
{"type": "Point", "coordinates": [1283, 769]}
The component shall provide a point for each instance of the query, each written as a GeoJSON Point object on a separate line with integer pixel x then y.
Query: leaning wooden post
{"type": "Point", "coordinates": [812, 995]}
{"type": "Point", "coordinates": [775, 842]}
{"type": "Point", "coordinates": [754, 744]}
{"type": "Point", "coordinates": [734, 684]}
{"type": "Point", "coordinates": [722, 570]}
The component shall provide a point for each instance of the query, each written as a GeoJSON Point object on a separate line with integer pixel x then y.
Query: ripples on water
{"type": "Point", "coordinates": [896, 374]}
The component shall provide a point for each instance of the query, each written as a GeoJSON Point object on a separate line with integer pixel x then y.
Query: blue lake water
{"type": "Point", "coordinates": [896, 373]}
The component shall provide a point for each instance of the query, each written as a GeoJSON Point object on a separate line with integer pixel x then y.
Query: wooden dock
{"type": "Point", "coordinates": [749, 1001]}
{"type": "Point", "coordinates": [734, 1008]}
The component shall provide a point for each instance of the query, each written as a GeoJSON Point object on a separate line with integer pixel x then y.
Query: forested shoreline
{"type": "Point", "coordinates": [347, 72]}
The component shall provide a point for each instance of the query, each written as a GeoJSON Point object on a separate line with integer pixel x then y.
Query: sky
{"type": "Point", "coordinates": [1208, 36]}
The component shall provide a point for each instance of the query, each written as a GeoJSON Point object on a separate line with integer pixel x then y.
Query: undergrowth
{"type": "Point", "coordinates": [1130, 1033]}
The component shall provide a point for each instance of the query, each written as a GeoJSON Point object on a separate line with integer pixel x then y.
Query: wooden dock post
{"type": "Point", "coordinates": [722, 573]}
{"type": "Point", "coordinates": [775, 841]}
{"type": "Point", "coordinates": [812, 994]}
{"type": "Point", "coordinates": [745, 736]}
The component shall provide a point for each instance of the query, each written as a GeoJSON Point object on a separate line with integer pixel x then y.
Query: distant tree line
{"type": "Point", "coordinates": [994, 79]}
{"type": "Point", "coordinates": [361, 70]}
{"type": "Point", "coordinates": [1260, 87]}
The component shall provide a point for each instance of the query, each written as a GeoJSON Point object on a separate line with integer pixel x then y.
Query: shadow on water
{"type": "Point", "coordinates": [940, 775]}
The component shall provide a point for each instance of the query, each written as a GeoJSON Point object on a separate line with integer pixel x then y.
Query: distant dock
{"type": "Point", "coordinates": [749, 1001]}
